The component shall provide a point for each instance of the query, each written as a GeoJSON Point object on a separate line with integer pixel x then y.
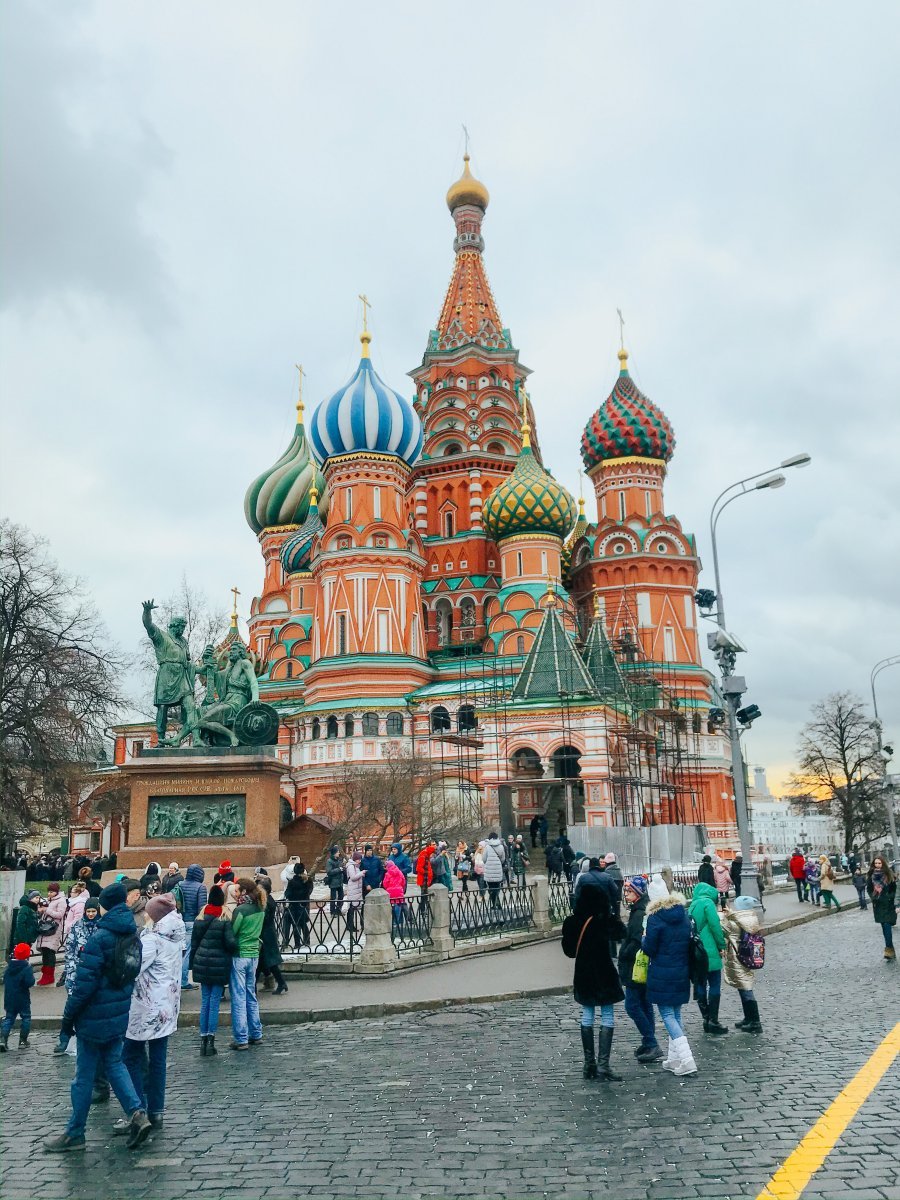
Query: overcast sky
{"type": "Point", "coordinates": [194, 195]}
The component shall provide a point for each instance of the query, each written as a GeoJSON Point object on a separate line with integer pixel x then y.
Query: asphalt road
{"type": "Point", "coordinates": [487, 1101]}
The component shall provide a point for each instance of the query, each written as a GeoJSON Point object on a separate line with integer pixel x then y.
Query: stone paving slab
{"type": "Point", "coordinates": [486, 1100]}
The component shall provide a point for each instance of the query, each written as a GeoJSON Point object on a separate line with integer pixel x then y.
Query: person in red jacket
{"type": "Point", "coordinates": [797, 869]}
{"type": "Point", "coordinates": [424, 872]}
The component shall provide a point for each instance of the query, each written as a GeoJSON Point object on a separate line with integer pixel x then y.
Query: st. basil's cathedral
{"type": "Point", "coordinates": [430, 590]}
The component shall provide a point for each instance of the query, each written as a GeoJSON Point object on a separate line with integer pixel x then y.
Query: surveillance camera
{"type": "Point", "coordinates": [746, 716]}
{"type": "Point", "coordinates": [705, 598]}
{"type": "Point", "coordinates": [887, 751]}
{"type": "Point", "coordinates": [723, 640]}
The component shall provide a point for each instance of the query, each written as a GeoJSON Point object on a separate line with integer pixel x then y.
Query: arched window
{"type": "Point", "coordinates": [370, 724]}
{"type": "Point", "coordinates": [316, 728]}
{"type": "Point", "coordinates": [440, 720]}
{"type": "Point", "coordinates": [331, 727]}
{"type": "Point", "coordinates": [496, 448]}
{"type": "Point", "coordinates": [289, 671]}
{"type": "Point", "coordinates": [453, 448]}
{"type": "Point", "coordinates": [467, 612]}
{"type": "Point", "coordinates": [466, 719]}
{"type": "Point", "coordinates": [520, 645]}
{"type": "Point", "coordinates": [348, 727]}
{"type": "Point", "coordinates": [449, 521]}
{"type": "Point", "coordinates": [395, 724]}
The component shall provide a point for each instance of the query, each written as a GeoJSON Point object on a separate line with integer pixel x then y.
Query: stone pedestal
{"type": "Point", "coordinates": [204, 805]}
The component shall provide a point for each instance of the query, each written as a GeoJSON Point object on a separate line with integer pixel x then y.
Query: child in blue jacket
{"type": "Point", "coordinates": [18, 979]}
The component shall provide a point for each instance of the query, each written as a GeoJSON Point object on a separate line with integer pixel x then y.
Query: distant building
{"type": "Point", "coordinates": [777, 826]}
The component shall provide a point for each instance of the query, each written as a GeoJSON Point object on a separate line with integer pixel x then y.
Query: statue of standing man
{"type": "Point", "coordinates": [175, 677]}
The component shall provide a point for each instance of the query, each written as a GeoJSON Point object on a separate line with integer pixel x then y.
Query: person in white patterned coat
{"type": "Point", "coordinates": [155, 1003]}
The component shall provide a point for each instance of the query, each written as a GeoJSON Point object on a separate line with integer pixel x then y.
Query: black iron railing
{"type": "Point", "coordinates": [561, 902]}
{"type": "Point", "coordinates": [411, 922]}
{"type": "Point", "coordinates": [320, 927]}
{"type": "Point", "coordinates": [475, 916]}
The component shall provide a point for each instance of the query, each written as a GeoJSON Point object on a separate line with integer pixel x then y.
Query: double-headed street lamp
{"type": "Point", "coordinates": [726, 649]}
{"type": "Point", "coordinates": [886, 791]}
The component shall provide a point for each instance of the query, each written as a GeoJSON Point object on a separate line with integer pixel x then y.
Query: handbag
{"type": "Point", "coordinates": [47, 926]}
{"type": "Point", "coordinates": [641, 965]}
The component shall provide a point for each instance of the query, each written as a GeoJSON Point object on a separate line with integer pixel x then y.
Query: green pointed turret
{"type": "Point", "coordinates": [553, 666]}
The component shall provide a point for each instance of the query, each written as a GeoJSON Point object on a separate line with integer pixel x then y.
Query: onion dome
{"type": "Point", "coordinates": [296, 553]}
{"type": "Point", "coordinates": [467, 190]}
{"type": "Point", "coordinates": [626, 425]}
{"type": "Point", "coordinates": [529, 501]}
{"type": "Point", "coordinates": [366, 414]}
{"type": "Point", "coordinates": [280, 496]}
{"type": "Point", "coordinates": [580, 526]}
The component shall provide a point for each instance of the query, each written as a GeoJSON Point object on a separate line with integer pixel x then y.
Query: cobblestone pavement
{"type": "Point", "coordinates": [487, 1101]}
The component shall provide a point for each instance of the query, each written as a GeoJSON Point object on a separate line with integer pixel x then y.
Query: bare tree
{"type": "Point", "coordinates": [59, 684]}
{"type": "Point", "coordinates": [401, 796]}
{"type": "Point", "coordinates": [838, 768]}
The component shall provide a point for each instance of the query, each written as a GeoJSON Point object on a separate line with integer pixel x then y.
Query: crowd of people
{"type": "Point", "coordinates": [41, 868]}
{"type": "Point", "coordinates": [131, 948]}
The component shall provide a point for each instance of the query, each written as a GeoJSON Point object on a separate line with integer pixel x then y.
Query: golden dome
{"type": "Point", "coordinates": [467, 190]}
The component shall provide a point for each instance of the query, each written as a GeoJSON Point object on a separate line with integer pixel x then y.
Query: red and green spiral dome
{"type": "Point", "coordinates": [626, 425]}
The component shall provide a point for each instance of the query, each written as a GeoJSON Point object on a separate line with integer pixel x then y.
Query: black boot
{"type": "Point", "coordinates": [23, 1041]}
{"type": "Point", "coordinates": [703, 1005]}
{"type": "Point", "coordinates": [204, 1042]}
{"type": "Point", "coordinates": [587, 1044]}
{"type": "Point", "coordinates": [4, 1038]}
{"type": "Point", "coordinates": [752, 1022]}
{"type": "Point", "coordinates": [211, 1046]}
{"type": "Point", "coordinates": [711, 1024]}
{"type": "Point", "coordinates": [603, 1067]}
{"type": "Point", "coordinates": [741, 1024]}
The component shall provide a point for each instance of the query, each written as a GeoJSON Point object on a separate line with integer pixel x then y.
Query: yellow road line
{"type": "Point", "coordinates": [791, 1178]}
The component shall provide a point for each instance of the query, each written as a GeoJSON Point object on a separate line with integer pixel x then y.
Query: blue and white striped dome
{"type": "Point", "coordinates": [366, 414]}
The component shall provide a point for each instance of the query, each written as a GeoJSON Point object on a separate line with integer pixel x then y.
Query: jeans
{"type": "Point", "coordinates": [639, 1008]}
{"type": "Point", "coordinates": [886, 929]}
{"type": "Point", "coordinates": [712, 987]}
{"type": "Point", "coordinates": [398, 914]}
{"type": "Point", "coordinates": [337, 899]}
{"type": "Point", "coordinates": [745, 993]}
{"type": "Point", "coordinates": [607, 1015]}
{"type": "Point", "coordinates": [800, 888]}
{"type": "Point", "coordinates": [107, 1055]}
{"type": "Point", "coordinates": [186, 955]}
{"type": "Point", "coordinates": [146, 1063]}
{"type": "Point", "coordinates": [244, 1004]}
{"type": "Point", "coordinates": [861, 893]}
{"type": "Point", "coordinates": [9, 1019]}
{"type": "Point", "coordinates": [670, 1015]}
{"type": "Point", "coordinates": [815, 893]}
{"type": "Point", "coordinates": [210, 999]}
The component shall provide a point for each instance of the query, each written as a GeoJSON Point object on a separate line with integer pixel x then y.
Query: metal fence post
{"type": "Point", "coordinates": [378, 953]}
{"type": "Point", "coordinates": [441, 936]}
{"type": "Point", "coordinates": [541, 885]}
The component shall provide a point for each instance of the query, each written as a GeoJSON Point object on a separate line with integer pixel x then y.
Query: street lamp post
{"type": "Point", "coordinates": [886, 792]}
{"type": "Point", "coordinates": [726, 649]}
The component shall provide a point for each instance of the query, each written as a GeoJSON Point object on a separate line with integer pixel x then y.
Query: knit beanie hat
{"type": "Point", "coordinates": [112, 895]}
{"type": "Point", "coordinates": [357, 857]}
{"type": "Point", "coordinates": [158, 906]}
{"type": "Point", "coordinates": [22, 952]}
{"type": "Point", "coordinates": [52, 887]}
{"type": "Point", "coordinates": [609, 858]}
{"type": "Point", "coordinates": [224, 866]}
{"type": "Point", "coordinates": [742, 903]}
{"type": "Point", "coordinates": [638, 884]}
{"type": "Point", "coordinates": [216, 896]}
{"type": "Point", "coordinates": [93, 903]}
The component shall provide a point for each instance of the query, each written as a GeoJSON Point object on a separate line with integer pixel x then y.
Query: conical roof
{"type": "Point", "coordinates": [296, 552]}
{"type": "Point", "coordinates": [553, 666]}
{"type": "Point", "coordinates": [602, 664]}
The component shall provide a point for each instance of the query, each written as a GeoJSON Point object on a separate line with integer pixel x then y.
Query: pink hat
{"type": "Point", "coordinates": [609, 858]}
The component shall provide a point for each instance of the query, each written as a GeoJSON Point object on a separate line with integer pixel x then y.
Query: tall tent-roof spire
{"type": "Point", "coordinates": [601, 662]}
{"type": "Point", "coordinates": [553, 666]}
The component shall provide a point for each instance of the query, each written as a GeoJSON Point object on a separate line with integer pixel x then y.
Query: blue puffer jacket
{"type": "Point", "coordinates": [193, 893]}
{"type": "Point", "coordinates": [98, 1010]}
{"type": "Point", "coordinates": [666, 944]}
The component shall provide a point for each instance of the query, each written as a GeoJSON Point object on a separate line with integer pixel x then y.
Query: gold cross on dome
{"type": "Point", "coordinates": [466, 136]}
{"type": "Point", "coordinates": [234, 613]}
{"type": "Point", "coordinates": [300, 374]}
{"type": "Point", "coordinates": [367, 304]}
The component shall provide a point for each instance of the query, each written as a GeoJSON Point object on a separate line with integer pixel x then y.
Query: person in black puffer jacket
{"type": "Point", "coordinates": [297, 894]}
{"type": "Point", "coordinates": [190, 897]}
{"type": "Point", "coordinates": [269, 964]}
{"type": "Point", "coordinates": [586, 936]}
{"type": "Point", "coordinates": [637, 1005]}
{"type": "Point", "coordinates": [97, 1010]}
{"type": "Point", "coordinates": [213, 945]}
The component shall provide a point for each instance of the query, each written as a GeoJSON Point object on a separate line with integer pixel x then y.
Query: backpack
{"type": "Point", "coordinates": [698, 962]}
{"type": "Point", "coordinates": [125, 964]}
{"type": "Point", "coordinates": [751, 951]}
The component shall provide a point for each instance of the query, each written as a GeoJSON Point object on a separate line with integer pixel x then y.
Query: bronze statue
{"type": "Point", "coordinates": [175, 677]}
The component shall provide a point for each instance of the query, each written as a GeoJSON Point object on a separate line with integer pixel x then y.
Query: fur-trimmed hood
{"type": "Point", "coordinates": [671, 901]}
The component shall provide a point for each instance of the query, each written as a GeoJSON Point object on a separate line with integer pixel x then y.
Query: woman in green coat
{"type": "Point", "coordinates": [705, 915]}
